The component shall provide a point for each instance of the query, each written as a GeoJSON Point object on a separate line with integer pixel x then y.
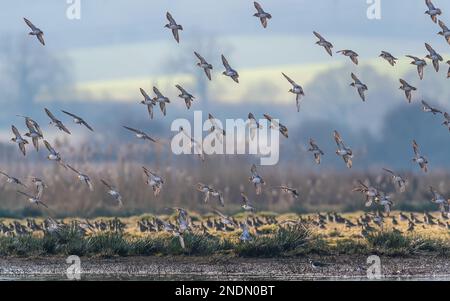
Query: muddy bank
{"type": "Point", "coordinates": [220, 268]}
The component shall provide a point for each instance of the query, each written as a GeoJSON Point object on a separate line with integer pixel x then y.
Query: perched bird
{"type": "Point", "coordinates": [140, 134]}
{"type": "Point", "coordinates": [53, 156]}
{"type": "Point", "coordinates": [351, 54]}
{"type": "Point", "coordinates": [418, 158]}
{"type": "Point", "coordinates": [83, 178]}
{"type": "Point", "coordinates": [398, 180]}
{"type": "Point", "coordinates": [149, 102]}
{"type": "Point", "coordinates": [371, 193]}
{"type": "Point", "coordinates": [289, 190]}
{"type": "Point", "coordinates": [113, 192]}
{"type": "Point", "coordinates": [78, 120]}
{"type": "Point", "coordinates": [389, 57]}
{"type": "Point", "coordinates": [445, 31]}
{"type": "Point", "coordinates": [428, 108]}
{"type": "Point", "coordinates": [420, 63]}
{"type": "Point", "coordinates": [261, 14]}
{"type": "Point", "coordinates": [343, 151]}
{"type": "Point", "coordinates": [296, 89]}
{"type": "Point", "coordinates": [256, 179]}
{"type": "Point", "coordinates": [359, 86]}
{"type": "Point", "coordinates": [153, 180]}
{"type": "Point", "coordinates": [432, 11]}
{"type": "Point", "coordinates": [33, 199]}
{"type": "Point", "coordinates": [253, 125]}
{"type": "Point", "coordinates": [188, 98]}
{"type": "Point", "coordinates": [440, 200]}
{"type": "Point", "coordinates": [210, 191]}
{"type": "Point", "coordinates": [161, 99]}
{"type": "Point", "coordinates": [274, 124]}
{"type": "Point", "coordinates": [35, 31]}
{"type": "Point", "coordinates": [408, 89]}
{"type": "Point", "coordinates": [324, 43]}
{"type": "Point", "coordinates": [246, 203]}
{"type": "Point", "coordinates": [317, 152]}
{"type": "Point", "coordinates": [34, 132]}
{"type": "Point", "coordinates": [204, 65]}
{"type": "Point", "coordinates": [19, 140]}
{"type": "Point", "coordinates": [57, 123]}
{"type": "Point", "coordinates": [12, 180]}
{"type": "Point", "coordinates": [173, 26]}
{"type": "Point", "coordinates": [434, 57]}
{"type": "Point", "coordinates": [229, 71]}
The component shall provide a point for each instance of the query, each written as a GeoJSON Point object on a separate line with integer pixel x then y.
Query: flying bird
{"type": "Point", "coordinates": [317, 152]}
{"type": "Point", "coordinates": [40, 185]}
{"type": "Point", "coordinates": [246, 205]}
{"type": "Point", "coordinates": [351, 54]}
{"type": "Point", "coordinates": [256, 179]}
{"type": "Point", "coordinates": [434, 57]}
{"type": "Point", "coordinates": [19, 140]}
{"type": "Point", "coordinates": [324, 43]}
{"type": "Point", "coordinates": [432, 11]}
{"type": "Point", "coordinates": [173, 26]}
{"type": "Point", "coordinates": [113, 192]}
{"type": "Point", "coordinates": [261, 14]}
{"type": "Point", "coordinates": [53, 156]}
{"type": "Point", "coordinates": [277, 125]}
{"type": "Point", "coordinates": [296, 89]}
{"type": "Point", "coordinates": [12, 180]}
{"type": "Point", "coordinates": [229, 71]}
{"type": "Point", "coordinates": [447, 120]}
{"type": "Point", "coordinates": [253, 125]}
{"type": "Point", "coordinates": [398, 180]}
{"type": "Point", "coordinates": [215, 127]}
{"type": "Point", "coordinates": [149, 102]}
{"type": "Point", "coordinates": [83, 178]}
{"type": "Point", "coordinates": [161, 99]}
{"type": "Point", "coordinates": [208, 191]}
{"type": "Point", "coordinates": [408, 89]}
{"type": "Point", "coordinates": [418, 158]}
{"type": "Point", "coordinates": [343, 151]}
{"type": "Point", "coordinates": [198, 147]}
{"type": "Point", "coordinates": [440, 200]}
{"type": "Point", "coordinates": [35, 31]}
{"type": "Point", "coordinates": [204, 65]}
{"type": "Point", "coordinates": [34, 132]}
{"type": "Point", "coordinates": [389, 57]}
{"type": "Point", "coordinates": [187, 97]}
{"type": "Point", "coordinates": [292, 191]}
{"type": "Point", "coordinates": [359, 86]}
{"type": "Point", "coordinates": [57, 123]}
{"type": "Point", "coordinates": [78, 120]}
{"type": "Point", "coordinates": [140, 134]}
{"type": "Point", "coordinates": [33, 199]}
{"type": "Point", "coordinates": [153, 180]}
{"type": "Point", "coordinates": [430, 109]}
{"type": "Point", "coordinates": [448, 72]}
{"type": "Point", "coordinates": [445, 31]}
{"type": "Point", "coordinates": [371, 193]}
{"type": "Point", "coordinates": [420, 63]}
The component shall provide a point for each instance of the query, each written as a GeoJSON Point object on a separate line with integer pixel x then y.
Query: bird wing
{"type": "Point", "coordinates": [106, 184]}
{"type": "Point", "coordinates": [357, 81]}
{"type": "Point", "coordinates": [144, 94]}
{"type": "Point", "coordinates": [430, 49]}
{"type": "Point", "coordinates": [31, 25]}
{"type": "Point", "coordinates": [49, 114]}
{"type": "Point", "coordinates": [73, 169]}
{"type": "Point", "coordinates": [208, 73]}
{"type": "Point", "coordinates": [70, 114]}
{"type": "Point", "coordinates": [389, 171]}
{"type": "Point", "coordinates": [156, 91]}
{"type": "Point", "coordinates": [170, 18]}
{"type": "Point", "coordinates": [176, 35]}
{"type": "Point", "coordinates": [429, 4]}
{"type": "Point", "coordinates": [41, 38]}
{"type": "Point", "coordinates": [426, 105]}
{"type": "Point", "coordinates": [15, 131]}
{"type": "Point", "coordinates": [318, 36]}
{"type": "Point", "coordinates": [49, 147]}
{"type": "Point", "coordinates": [225, 62]}
{"type": "Point", "coordinates": [258, 7]}
{"type": "Point", "coordinates": [415, 148]}
{"type": "Point", "coordinates": [133, 130]}
{"type": "Point", "coordinates": [443, 26]}
{"type": "Point", "coordinates": [200, 57]}
{"type": "Point", "coordinates": [289, 79]}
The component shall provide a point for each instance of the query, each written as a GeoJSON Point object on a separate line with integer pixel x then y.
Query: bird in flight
{"type": "Point", "coordinates": [34, 132]}
{"type": "Point", "coordinates": [19, 140]}
{"type": "Point", "coordinates": [324, 43]}
{"type": "Point", "coordinates": [343, 151]}
{"type": "Point", "coordinates": [33, 199]}
{"type": "Point", "coordinates": [253, 125]}
{"type": "Point", "coordinates": [351, 54]}
{"type": "Point", "coordinates": [256, 179]}
{"type": "Point", "coordinates": [246, 205]}
{"type": "Point", "coordinates": [292, 191]}
{"type": "Point", "coordinates": [208, 191]}
{"type": "Point", "coordinates": [277, 125]}
{"type": "Point", "coordinates": [432, 11]}
{"type": "Point", "coordinates": [83, 178]}
{"type": "Point", "coordinates": [389, 57]}
{"type": "Point", "coordinates": [188, 98]}
{"type": "Point", "coordinates": [78, 120]}
{"type": "Point", "coordinates": [418, 158]}
{"type": "Point", "coordinates": [161, 99]}
{"type": "Point", "coordinates": [53, 156]}
{"type": "Point", "coordinates": [433, 56]}
{"type": "Point", "coordinates": [229, 71]}
{"type": "Point", "coordinates": [35, 31]}
{"type": "Point", "coordinates": [447, 120]}
{"type": "Point", "coordinates": [408, 89]}
{"type": "Point", "coordinates": [149, 102]}
{"type": "Point", "coordinates": [420, 63]}
{"type": "Point", "coordinates": [12, 180]}
{"type": "Point", "coordinates": [140, 134]}
{"type": "Point", "coordinates": [113, 192]}
{"type": "Point", "coordinates": [359, 86]}
{"type": "Point", "coordinates": [445, 31]}
{"type": "Point", "coordinates": [261, 14]}
{"type": "Point", "coordinates": [57, 123]}
{"type": "Point", "coordinates": [153, 180]}
{"type": "Point", "coordinates": [204, 65]}
{"type": "Point", "coordinates": [296, 89]}
{"type": "Point", "coordinates": [440, 200]}
{"type": "Point", "coordinates": [427, 108]}
{"type": "Point", "coordinates": [173, 26]}
{"type": "Point", "coordinates": [398, 180]}
{"type": "Point", "coordinates": [317, 152]}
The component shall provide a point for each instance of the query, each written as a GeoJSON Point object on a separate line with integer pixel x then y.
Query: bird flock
{"type": "Point", "coordinates": [373, 196]}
